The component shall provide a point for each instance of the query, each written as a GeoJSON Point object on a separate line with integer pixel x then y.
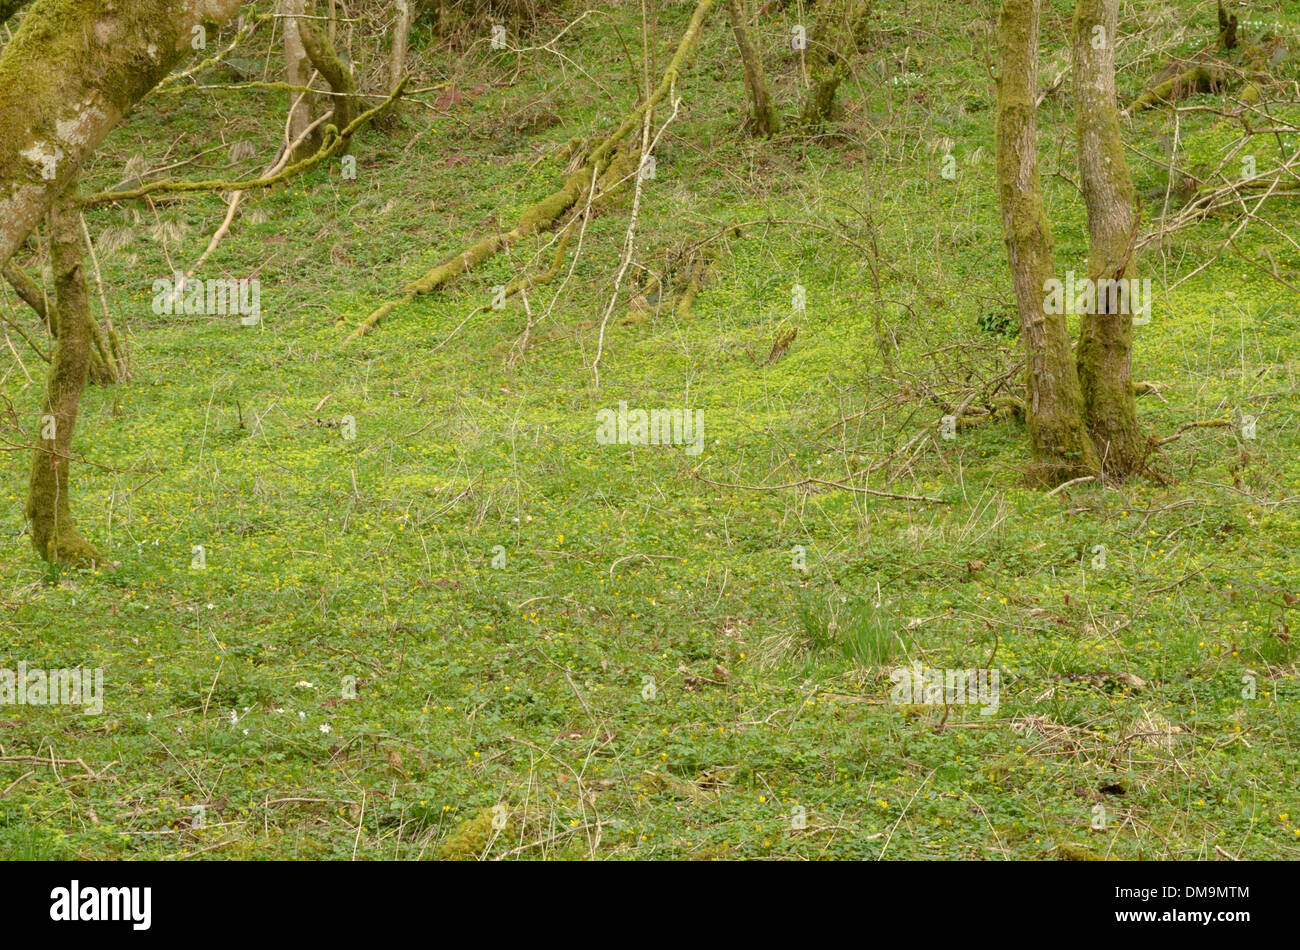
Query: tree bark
{"type": "Point", "coordinates": [30, 292]}
{"type": "Point", "coordinates": [67, 77]}
{"type": "Point", "coordinates": [764, 121]}
{"type": "Point", "coordinates": [828, 67]}
{"type": "Point", "coordinates": [837, 29]}
{"type": "Point", "coordinates": [106, 358]}
{"type": "Point", "coordinates": [1053, 409]}
{"type": "Point", "coordinates": [297, 72]}
{"type": "Point", "coordinates": [54, 534]}
{"type": "Point", "coordinates": [1105, 351]}
{"type": "Point", "coordinates": [343, 88]}
{"type": "Point", "coordinates": [401, 36]}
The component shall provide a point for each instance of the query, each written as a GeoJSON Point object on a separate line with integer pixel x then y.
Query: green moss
{"type": "Point", "coordinates": [1076, 852]}
{"type": "Point", "coordinates": [472, 836]}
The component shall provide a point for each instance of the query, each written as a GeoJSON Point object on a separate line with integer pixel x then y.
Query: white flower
{"type": "Point", "coordinates": [325, 727]}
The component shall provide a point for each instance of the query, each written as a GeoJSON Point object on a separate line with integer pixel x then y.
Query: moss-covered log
{"type": "Point", "coordinates": [49, 510]}
{"type": "Point", "coordinates": [1105, 351]}
{"type": "Point", "coordinates": [1186, 83]}
{"type": "Point", "coordinates": [72, 70]}
{"type": "Point", "coordinates": [1053, 409]}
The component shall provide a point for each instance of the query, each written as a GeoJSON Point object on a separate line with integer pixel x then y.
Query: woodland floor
{"type": "Point", "coordinates": [528, 685]}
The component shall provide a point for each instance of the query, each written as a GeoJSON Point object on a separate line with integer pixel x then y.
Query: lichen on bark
{"type": "Point", "coordinates": [1053, 407]}
{"type": "Point", "coordinates": [1105, 351]}
{"type": "Point", "coordinates": [49, 509]}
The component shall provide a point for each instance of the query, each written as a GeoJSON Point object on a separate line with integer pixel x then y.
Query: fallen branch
{"type": "Point", "coordinates": [1074, 481]}
{"type": "Point", "coordinates": [548, 212]}
{"type": "Point", "coordinates": [1189, 81]}
{"type": "Point", "coordinates": [1200, 424]}
{"type": "Point", "coordinates": [819, 481]}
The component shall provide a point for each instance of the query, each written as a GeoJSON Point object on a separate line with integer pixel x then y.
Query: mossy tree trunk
{"type": "Point", "coordinates": [825, 62]}
{"type": "Point", "coordinates": [54, 534]}
{"type": "Point", "coordinates": [343, 88]}
{"type": "Point", "coordinates": [397, 55]}
{"type": "Point", "coordinates": [764, 121]}
{"type": "Point", "coordinates": [837, 30]}
{"type": "Point", "coordinates": [401, 37]}
{"type": "Point", "coordinates": [1105, 351]}
{"type": "Point", "coordinates": [1053, 407]}
{"type": "Point", "coordinates": [1227, 29]}
{"type": "Point", "coordinates": [297, 72]}
{"type": "Point", "coordinates": [108, 361]}
{"type": "Point", "coordinates": [72, 70]}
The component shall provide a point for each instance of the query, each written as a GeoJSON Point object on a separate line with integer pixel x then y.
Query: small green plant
{"type": "Point", "coordinates": [1002, 322]}
{"type": "Point", "coordinates": [858, 630]}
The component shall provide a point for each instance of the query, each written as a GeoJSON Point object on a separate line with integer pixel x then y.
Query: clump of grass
{"type": "Point", "coordinates": [859, 630]}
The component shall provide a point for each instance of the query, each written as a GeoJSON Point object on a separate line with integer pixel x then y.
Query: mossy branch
{"type": "Point", "coordinates": [102, 365]}
{"type": "Point", "coordinates": [335, 142]}
{"type": "Point", "coordinates": [548, 212]}
{"type": "Point", "coordinates": [1196, 79]}
{"type": "Point", "coordinates": [27, 289]}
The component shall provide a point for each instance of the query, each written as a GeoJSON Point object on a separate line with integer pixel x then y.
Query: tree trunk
{"type": "Point", "coordinates": [343, 88]}
{"type": "Point", "coordinates": [54, 534]}
{"type": "Point", "coordinates": [401, 35]}
{"type": "Point", "coordinates": [837, 33]}
{"type": "Point", "coordinates": [297, 72]}
{"type": "Point", "coordinates": [764, 119]}
{"type": "Point", "coordinates": [1105, 339]}
{"type": "Point", "coordinates": [1053, 409]}
{"type": "Point", "coordinates": [67, 77]}
{"type": "Point", "coordinates": [70, 73]}
{"type": "Point", "coordinates": [827, 65]}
